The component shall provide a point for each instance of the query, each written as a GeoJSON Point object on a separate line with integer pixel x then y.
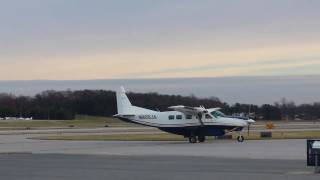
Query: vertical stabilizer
{"type": "Point", "coordinates": [123, 103]}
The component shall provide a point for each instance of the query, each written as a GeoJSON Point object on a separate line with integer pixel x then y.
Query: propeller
{"type": "Point", "coordinates": [249, 121]}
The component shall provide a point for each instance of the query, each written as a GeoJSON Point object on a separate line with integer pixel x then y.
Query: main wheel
{"type": "Point", "coordinates": [201, 139]}
{"type": "Point", "coordinates": [193, 139]}
{"type": "Point", "coordinates": [240, 138]}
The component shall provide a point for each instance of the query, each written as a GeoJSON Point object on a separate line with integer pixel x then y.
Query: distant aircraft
{"type": "Point", "coordinates": [194, 123]}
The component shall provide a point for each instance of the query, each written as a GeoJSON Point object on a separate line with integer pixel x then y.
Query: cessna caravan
{"type": "Point", "coordinates": [194, 123]}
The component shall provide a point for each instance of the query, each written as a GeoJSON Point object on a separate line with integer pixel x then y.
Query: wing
{"type": "Point", "coordinates": [197, 111]}
{"type": "Point", "coordinates": [213, 109]}
{"type": "Point", "coordinates": [189, 110]}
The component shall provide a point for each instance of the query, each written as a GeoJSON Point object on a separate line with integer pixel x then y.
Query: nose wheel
{"type": "Point", "coordinates": [240, 138]}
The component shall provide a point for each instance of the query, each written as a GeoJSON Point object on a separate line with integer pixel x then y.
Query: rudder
{"type": "Point", "coordinates": [123, 103]}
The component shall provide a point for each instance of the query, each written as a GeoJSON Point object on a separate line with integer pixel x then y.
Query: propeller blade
{"type": "Point", "coordinates": [250, 122]}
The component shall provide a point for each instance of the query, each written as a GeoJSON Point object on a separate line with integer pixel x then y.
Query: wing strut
{"type": "Point", "coordinates": [200, 119]}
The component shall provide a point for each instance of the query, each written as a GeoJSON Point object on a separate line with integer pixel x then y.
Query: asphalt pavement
{"type": "Point", "coordinates": [29, 159]}
{"type": "Point", "coordinates": [96, 167]}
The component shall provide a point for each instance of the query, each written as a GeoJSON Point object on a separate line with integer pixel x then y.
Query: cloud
{"type": "Point", "coordinates": [270, 67]}
{"type": "Point", "coordinates": [78, 39]}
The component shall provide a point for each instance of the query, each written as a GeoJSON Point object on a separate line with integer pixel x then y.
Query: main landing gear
{"type": "Point", "coordinates": [194, 139]}
{"type": "Point", "coordinates": [201, 139]}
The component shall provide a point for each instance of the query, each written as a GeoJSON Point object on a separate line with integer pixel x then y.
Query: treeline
{"type": "Point", "coordinates": [66, 104]}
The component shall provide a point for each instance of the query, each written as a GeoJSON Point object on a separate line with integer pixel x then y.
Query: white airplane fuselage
{"type": "Point", "coordinates": [179, 124]}
{"type": "Point", "coordinates": [210, 123]}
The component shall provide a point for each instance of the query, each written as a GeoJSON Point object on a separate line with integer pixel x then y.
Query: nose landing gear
{"type": "Point", "coordinates": [240, 138]}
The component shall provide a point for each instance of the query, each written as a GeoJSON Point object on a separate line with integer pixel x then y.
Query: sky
{"type": "Point", "coordinates": [125, 39]}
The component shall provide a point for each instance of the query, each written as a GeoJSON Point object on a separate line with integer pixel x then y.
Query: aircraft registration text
{"type": "Point", "coordinates": [147, 117]}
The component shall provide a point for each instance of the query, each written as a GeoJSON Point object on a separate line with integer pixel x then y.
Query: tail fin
{"type": "Point", "coordinates": [123, 103]}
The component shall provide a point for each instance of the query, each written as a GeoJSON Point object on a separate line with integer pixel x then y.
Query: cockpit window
{"type": "Point", "coordinates": [217, 114]}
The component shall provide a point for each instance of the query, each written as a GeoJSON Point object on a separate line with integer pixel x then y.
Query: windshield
{"type": "Point", "coordinates": [217, 114]}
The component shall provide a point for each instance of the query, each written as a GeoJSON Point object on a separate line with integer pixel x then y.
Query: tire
{"type": "Point", "coordinates": [240, 138]}
{"type": "Point", "coordinates": [201, 139]}
{"type": "Point", "coordinates": [193, 139]}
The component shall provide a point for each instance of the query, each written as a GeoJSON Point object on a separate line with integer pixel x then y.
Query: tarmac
{"type": "Point", "coordinates": [24, 158]}
{"type": "Point", "coordinates": [96, 167]}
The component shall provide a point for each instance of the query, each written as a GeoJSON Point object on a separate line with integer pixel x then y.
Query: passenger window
{"type": "Point", "coordinates": [188, 116]}
{"type": "Point", "coordinates": [171, 117]}
{"type": "Point", "coordinates": [179, 117]}
{"type": "Point", "coordinates": [208, 116]}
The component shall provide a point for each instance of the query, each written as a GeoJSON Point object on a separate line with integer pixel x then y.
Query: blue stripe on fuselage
{"type": "Point", "coordinates": [205, 130]}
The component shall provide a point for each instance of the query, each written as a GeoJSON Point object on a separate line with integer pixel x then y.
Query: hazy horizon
{"type": "Point", "coordinates": [253, 90]}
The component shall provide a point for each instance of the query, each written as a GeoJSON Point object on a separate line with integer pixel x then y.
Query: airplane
{"type": "Point", "coordinates": [194, 123]}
